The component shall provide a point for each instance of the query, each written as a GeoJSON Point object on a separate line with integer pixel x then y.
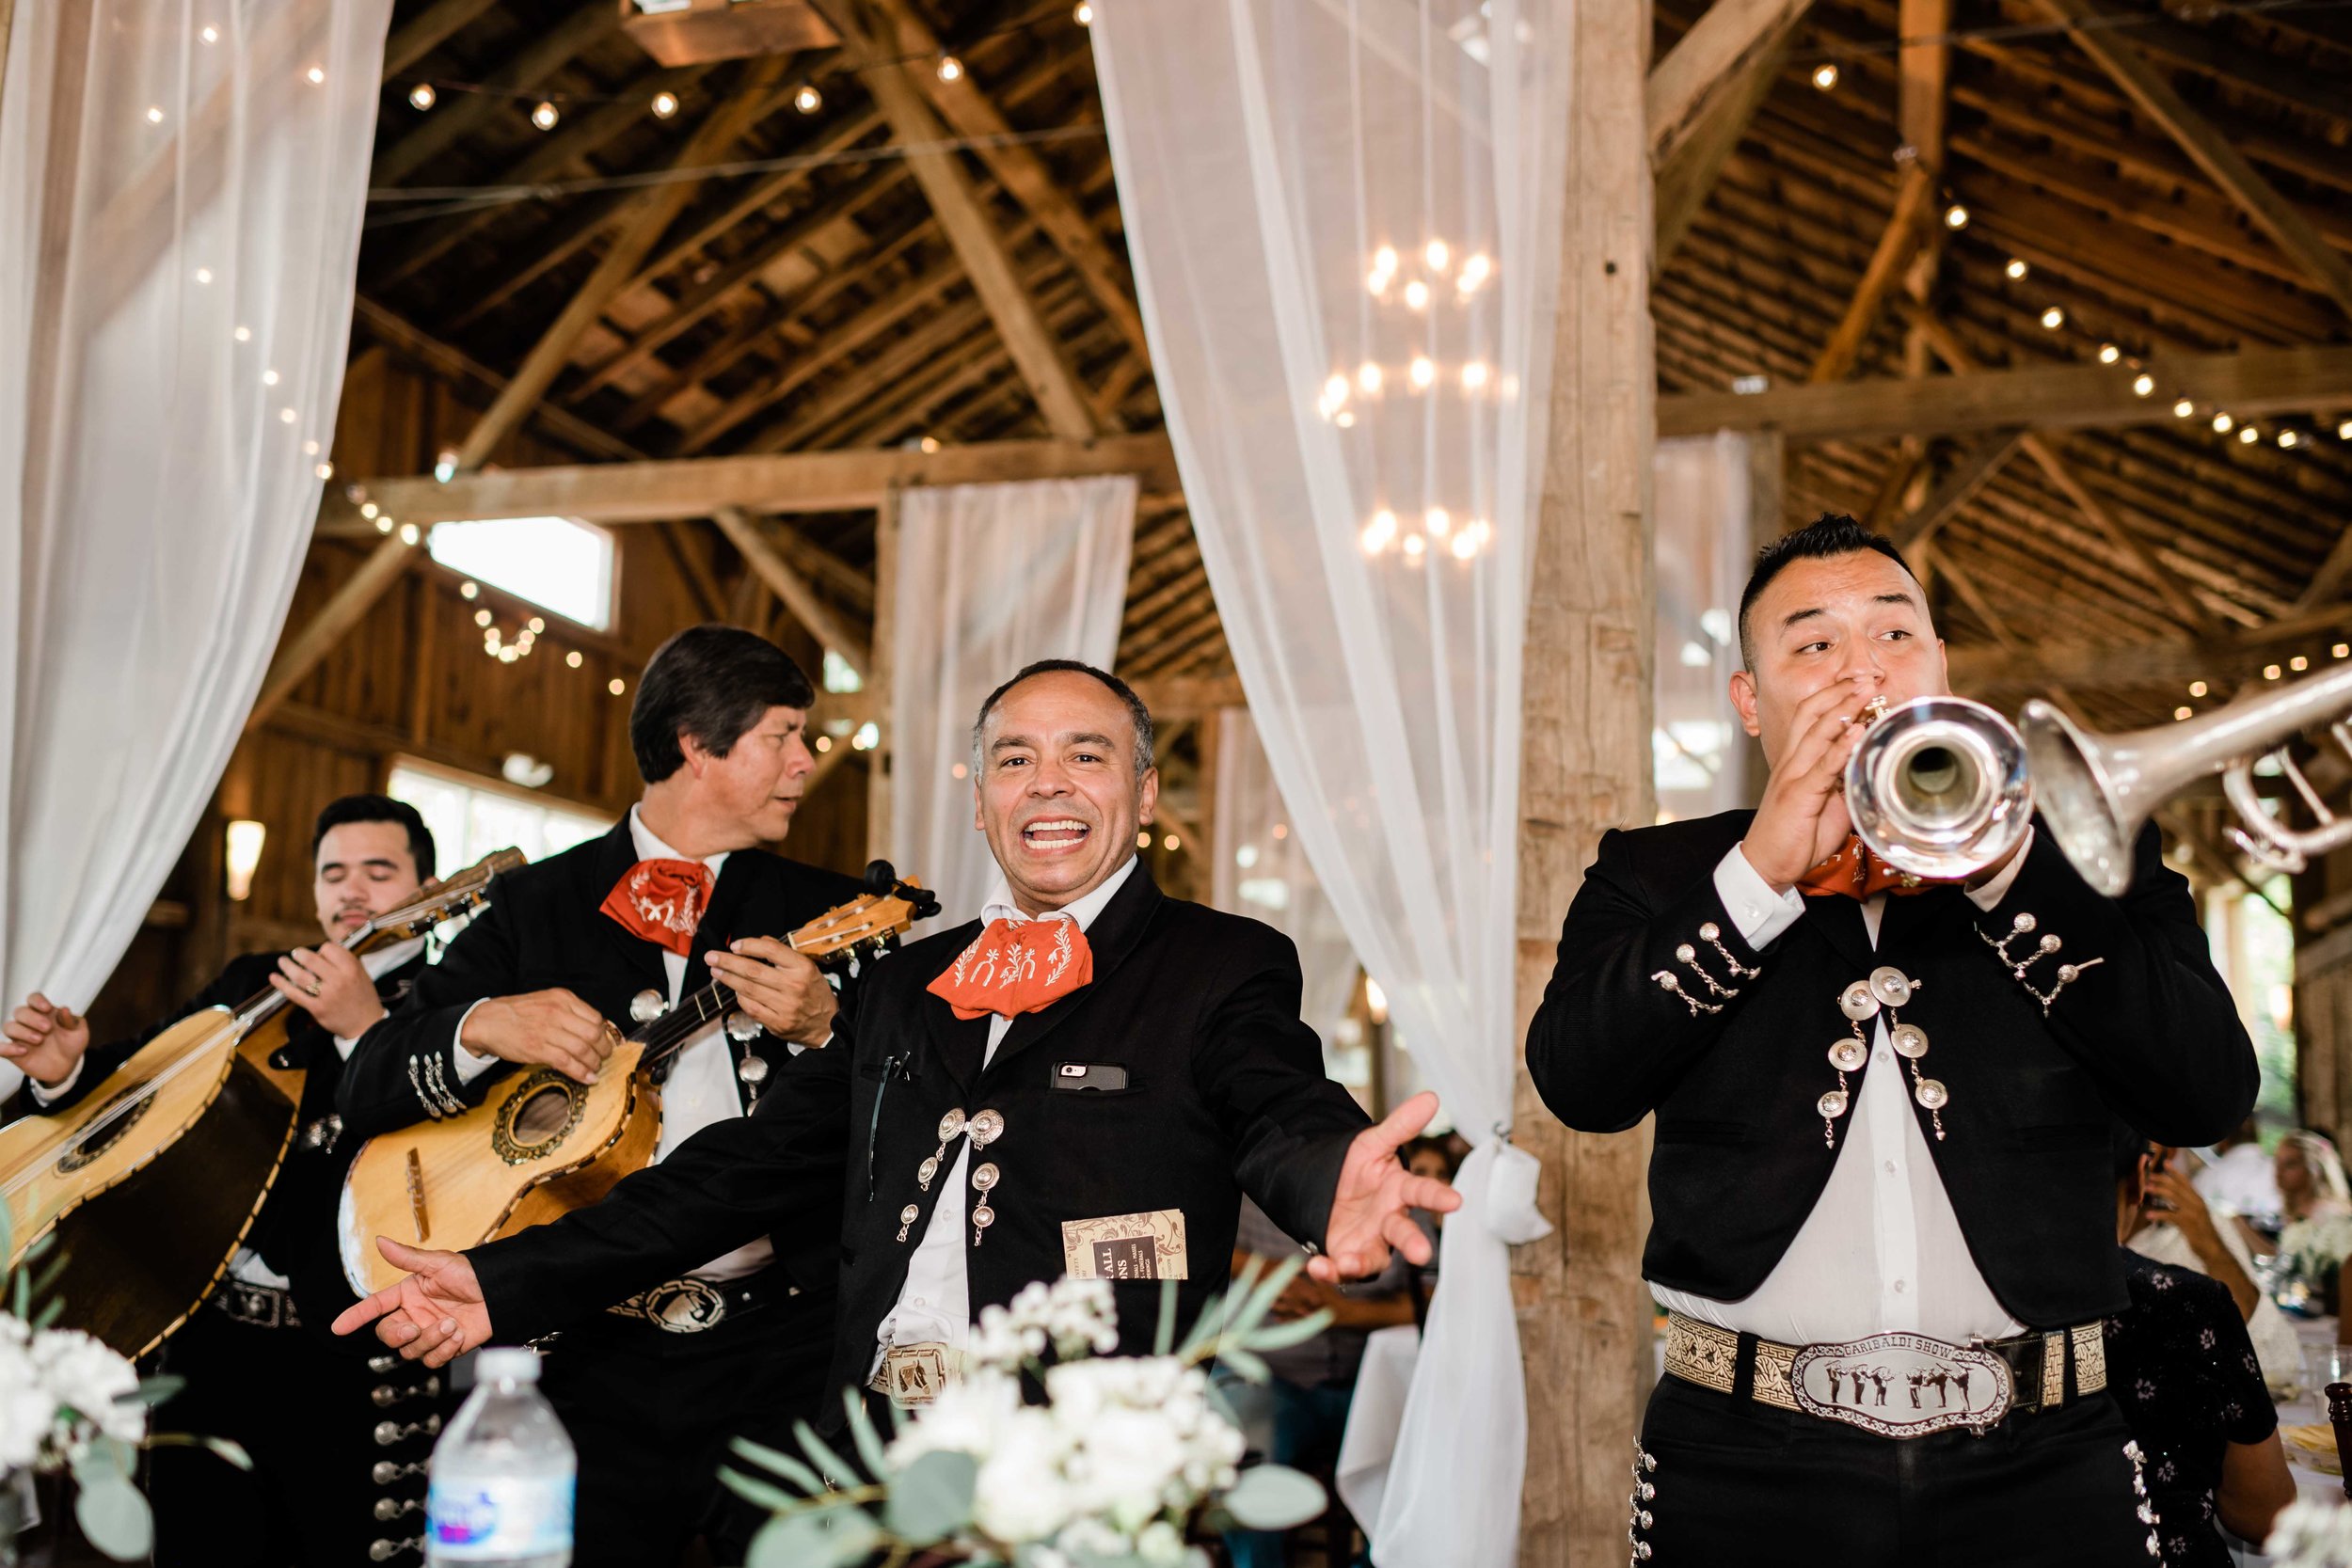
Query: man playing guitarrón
{"type": "Point", "coordinates": [1883, 1114]}
{"type": "Point", "coordinates": [334, 1436]}
{"type": "Point", "coordinates": [585, 944]}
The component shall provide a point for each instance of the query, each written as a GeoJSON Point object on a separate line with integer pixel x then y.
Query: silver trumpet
{"type": "Point", "coordinates": [1938, 786]}
{"type": "Point", "coordinates": [1942, 788]}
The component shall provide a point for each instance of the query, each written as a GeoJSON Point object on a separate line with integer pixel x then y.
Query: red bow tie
{"type": "Point", "coordinates": [1015, 967]}
{"type": "Point", "coordinates": [663, 901]}
{"type": "Point", "coordinates": [1856, 873]}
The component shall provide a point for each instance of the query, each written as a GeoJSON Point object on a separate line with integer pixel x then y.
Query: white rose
{"type": "Point", "coordinates": [1124, 1465]}
{"type": "Point", "coordinates": [94, 1381]}
{"type": "Point", "coordinates": [1160, 1542]}
{"type": "Point", "coordinates": [1020, 1495]}
{"type": "Point", "coordinates": [965, 1418]}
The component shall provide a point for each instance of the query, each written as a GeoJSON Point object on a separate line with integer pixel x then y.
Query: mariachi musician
{"type": "Point", "coordinates": [583, 946]}
{"type": "Point", "coordinates": [1083, 1081]}
{"type": "Point", "coordinates": [1883, 1112]}
{"type": "Point", "coordinates": [338, 1440]}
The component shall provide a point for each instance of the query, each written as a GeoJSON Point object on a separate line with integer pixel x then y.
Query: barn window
{"type": "Point", "coordinates": [555, 563]}
{"type": "Point", "coordinates": [471, 816]}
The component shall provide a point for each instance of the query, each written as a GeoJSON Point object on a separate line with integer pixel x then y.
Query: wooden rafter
{"type": "Point", "coordinates": [651, 212]}
{"type": "Point", "coordinates": [428, 31]}
{"type": "Point", "coordinates": [1899, 242]}
{"type": "Point", "coordinates": [788, 585]}
{"type": "Point", "coordinates": [461, 114]}
{"type": "Point", "coordinates": [1705, 66]}
{"type": "Point", "coordinates": [1687, 176]}
{"type": "Point", "coordinates": [1970, 475]}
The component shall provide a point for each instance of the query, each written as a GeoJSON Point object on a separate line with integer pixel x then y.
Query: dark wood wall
{"type": "Point", "coordinates": [413, 680]}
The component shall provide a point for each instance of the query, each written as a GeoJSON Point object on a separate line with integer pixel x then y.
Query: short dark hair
{"type": "Point", "coordinates": [711, 682]}
{"type": "Point", "coordinates": [1830, 534]}
{"type": "Point", "coordinates": [1137, 712]}
{"type": "Point", "coordinates": [378, 808]}
{"type": "Point", "coordinates": [2126, 1146]}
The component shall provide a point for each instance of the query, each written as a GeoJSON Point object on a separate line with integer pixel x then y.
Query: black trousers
{"type": "Point", "coordinates": [1736, 1482]}
{"type": "Point", "coordinates": [303, 1411]}
{"type": "Point", "coordinates": [652, 1413]}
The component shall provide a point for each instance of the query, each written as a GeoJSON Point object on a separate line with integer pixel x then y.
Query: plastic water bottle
{"type": "Point", "coordinates": [503, 1475]}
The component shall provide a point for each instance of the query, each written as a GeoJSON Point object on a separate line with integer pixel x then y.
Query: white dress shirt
{"type": "Point", "coordinates": [1882, 1252]}
{"type": "Point", "coordinates": [701, 1086]}
{"type": "Point", "coordinates": [935, 1303]}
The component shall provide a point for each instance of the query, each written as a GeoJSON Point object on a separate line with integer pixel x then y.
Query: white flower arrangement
{"type": "Point", "coordinates": [2311, 1534]}
{"type": "Point", "coordinates": [1108, 1472]}
{"type": "Point", "coordinates": [72, 1405]}
{"type": "Point", "coordinates": [2315, 1248]}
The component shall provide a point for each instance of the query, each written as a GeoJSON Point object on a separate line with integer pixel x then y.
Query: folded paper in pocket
{"type": "Point", "coordinates": [1126, 1247]}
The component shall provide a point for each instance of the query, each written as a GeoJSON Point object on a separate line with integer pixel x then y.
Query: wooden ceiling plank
{"type": "Point", "coordinates": [791, 588]}
{"type": "Point", "coordinates": [652, 212]}
{"type": "Point", "coordinates": [1705, 66]}
{"type": "Point", "coordinates": [460, 114]}
{"type": "Point", "coordinates": [1970, 475]}
{"type": "Point", "coordinates": [2207, 148]}
{"type": "Point", "coordinates": [1905, 229]}
{"type": "Point", "coordinates": [1687, 175]}
{"type": "Point", "coordinates": [427, 31]}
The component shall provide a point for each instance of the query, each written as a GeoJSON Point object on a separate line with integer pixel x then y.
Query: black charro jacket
{"type": "Point", "coordinates": [2148, 1035]}
{"type": "Point", "coordinates": [1224, 1094]}
{"type": "Point", "coordinates": [545, 928]}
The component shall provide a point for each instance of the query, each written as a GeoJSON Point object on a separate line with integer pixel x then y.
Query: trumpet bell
{"type": "Point", "coordinates": [1938, 787]}
{"type": "Point", "coordinates": [2093, 792]}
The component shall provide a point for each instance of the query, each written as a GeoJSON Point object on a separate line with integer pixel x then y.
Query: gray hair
{"type": "Point", "coordinates": [1137, 713]}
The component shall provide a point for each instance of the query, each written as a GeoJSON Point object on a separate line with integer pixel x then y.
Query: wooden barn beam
{"type": "Point", "coordinates": [1705, 66]}
{"type": "Point", "coordinates": [428, 31]}
{"type": "Point", "coordinates": [1974, 472]}
{"type": "Point", "coordinates": [1687, 176]}
{"type": "Point", "coordinates": [2148, 89]}
{"type": "Point", "coordinates": [461, 114]}
{"type": "Point", "coordinates": [1897, 244]}
{"type": "Point", "coordinates": [1035, 349]}
{"type": "Point", "coordinates": [344, 608]}
{"type": "Point", "coordinates": [790, 586]}
{"type": "Point", "coordinates": [1023, 174]}
{"type": "Point", "coordinates": [2052, 397]}
{"type": "Point", "coordinates": [652, 212]}
{"type": "Point", "coordinates": [789, 481]}
{"type": "Point", "coordinates": [2157, 662]}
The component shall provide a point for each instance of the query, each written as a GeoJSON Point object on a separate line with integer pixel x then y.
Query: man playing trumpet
{"type": "Point", "coordinates": [1883, 1109]}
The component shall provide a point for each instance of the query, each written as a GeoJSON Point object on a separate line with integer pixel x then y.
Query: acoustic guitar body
{"type": "Point", "coordinates": [153, 1180]}
{"type": "Point", "coordinates": [539, 1147]}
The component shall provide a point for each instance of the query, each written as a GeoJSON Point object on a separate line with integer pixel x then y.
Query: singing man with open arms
{"type": "Point", "coordinates": [1880, 1190]}
{"type": "Point", "coordinates": [1085, 1081]}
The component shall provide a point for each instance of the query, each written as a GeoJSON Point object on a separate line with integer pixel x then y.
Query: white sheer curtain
{"type": "Point", "coordinates": [1343, 216]}
{"type": "Point", "coordinates": [181, 190]}
{"type": "Point", "coordinates": [1706, 543]}
{"type": "Point", "coordinates": [1262, 872]}
{"type": "Point", "coordinates": [989, 578]}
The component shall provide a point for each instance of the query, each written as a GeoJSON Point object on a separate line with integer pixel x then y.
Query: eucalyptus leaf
{"type": "Point", "coordinates": [829, 1463]}
{"type": "Point", "coordinates": [931, 1498]}
{"type": "Point", "coordinates": [1165, 1335]}
{"type": "Point", "coordinates": [114, 1518]}
{"type": "Point", "coordinates": [782, 1464]}
{"type": "Point", "coordinates": [154, 1390]}
{"type": "Point", "coordinates": [1260, 1300]}
{"type": "Point", "coordinates": [833, 1538]}
{"type": "Point", "coordinates": [51, 1310]}
{"type": "Point", "coordinates": [773, 1499]}
{"type": "Point", "coordinates": [1282, 1336]}
{"type": "Point", "coordinates": [1243, 1364]}
{"type": "Point", "coordinates": [862, 1432]}
{"type": "Point", "coordinates": [1274, 1497]}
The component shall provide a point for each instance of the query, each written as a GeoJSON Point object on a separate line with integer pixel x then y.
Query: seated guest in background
{"type": "Point", "coordinates": [262, 1369]}
{"type": "Point", "coordinates": [2176, 1227]}
{"type": "Point", "coordinates": [1086, 1079]}
{"type": "Point", "coordinates": [2186, 1377]}
{"type": "Point", "coordinates": [2242, 1179]}
{"type": "Point", "coordinates": [2310, 1178]}
{"type": "Point", "coordinates": [1297, 1416]}
{"type": "Point", "coordinates": [679, 893]}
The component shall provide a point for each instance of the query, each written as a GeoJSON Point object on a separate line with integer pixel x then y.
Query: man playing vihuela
{"type": "Point", "coordinates": [1883, 1112]}
{"type": "Point", "coordinates": [1083, 1081]}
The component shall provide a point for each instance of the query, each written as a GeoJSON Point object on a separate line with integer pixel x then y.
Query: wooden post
{"type": "Point", "coordinates": [879, 662]}
{"type": "Point", "coordinates": [1583, 1313]}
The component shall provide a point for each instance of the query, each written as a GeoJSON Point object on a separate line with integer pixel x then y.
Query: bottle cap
{"type": "Point", "coordinates": [514, 1365]}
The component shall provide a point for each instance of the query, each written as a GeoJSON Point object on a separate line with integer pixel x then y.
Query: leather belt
{"type": "Point", "coordinates": [691, 1304]}
{"type": "Point", "coordinates": [1895, 1384]}
{"type": "Point", "coordinates": [256, 1306]}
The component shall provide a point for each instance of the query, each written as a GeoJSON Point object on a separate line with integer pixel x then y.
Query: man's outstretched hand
{"type": "Point", "coordinates": [435, 1315]}
{"type": "Point", "coordinates": [1369, 1211]}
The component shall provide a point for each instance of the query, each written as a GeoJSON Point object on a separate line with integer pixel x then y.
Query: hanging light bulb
{"type": "Point", "coordinates": [1415, 548]}
{"type": "Point", "coordinates": [2053, 318]}
{"type": "Point", "coordinates": [2222, 423]}
{"type": "Point", "coordinates": [2143, 384]}
{"type": "Point", "coordinates": [1083, 15]}
{"type": "Point", "coordinates": [1465, 545]}
{"type": "Point", "coordinates": [1379, 533]}
{"type": "Point", "coordinates": [1417, 295]}
{"type": "Point", "coordinates": [1474, 272]}
{"type": "Point", "coordinates": [2183, 410]}
{"type": "Point", "coordinates": [808, 100]}
{"type": "Point", "coordinates": [2197, 688]}
{"type": "Point", "coordinates": [664, 105]}
{"type": "Point", "coordinates": [2247, 436]}
{"type": "Point", "coordinates": [316, 77]}
{"type": "Point", "coordinates": [2288, 437]}
{"type": "Point", "coordinates": [1438, 521]}
{"type": "Point", "coordinates": [1368, 379]}
{"type": "Point", "coordinates": [1436, 255]}
{"type": "Point", "coordinates": [2015, 269]}
{"type": "Point", "coordinates": [545, 116]}
{"type": "Point", "coordinates": [1955, 216]}
{"type": "Point", "coordinates": [420, 96]}
{"type": "Point", "coordinates": [1474, 374]}
{"type": "Point", "coordinates": [950, 69]}
{"type": "Point", "coordinates": [1825, 76]}
{"type": "Point", "coordinates": [2110, 354]}
{"type": "Point", "coordinates": [1423, 371]}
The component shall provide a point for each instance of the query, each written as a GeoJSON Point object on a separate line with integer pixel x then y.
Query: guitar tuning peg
{"type": "Point", "coordinates": [648, 1005]}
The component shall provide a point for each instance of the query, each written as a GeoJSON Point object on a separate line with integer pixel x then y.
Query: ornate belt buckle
{"type": "Point", "coordinates": [912, 1374]}
{"type": "Point", "coordinates": [1902, 1385]}
{"type": "Point", "coordinates": [680, 1306]}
